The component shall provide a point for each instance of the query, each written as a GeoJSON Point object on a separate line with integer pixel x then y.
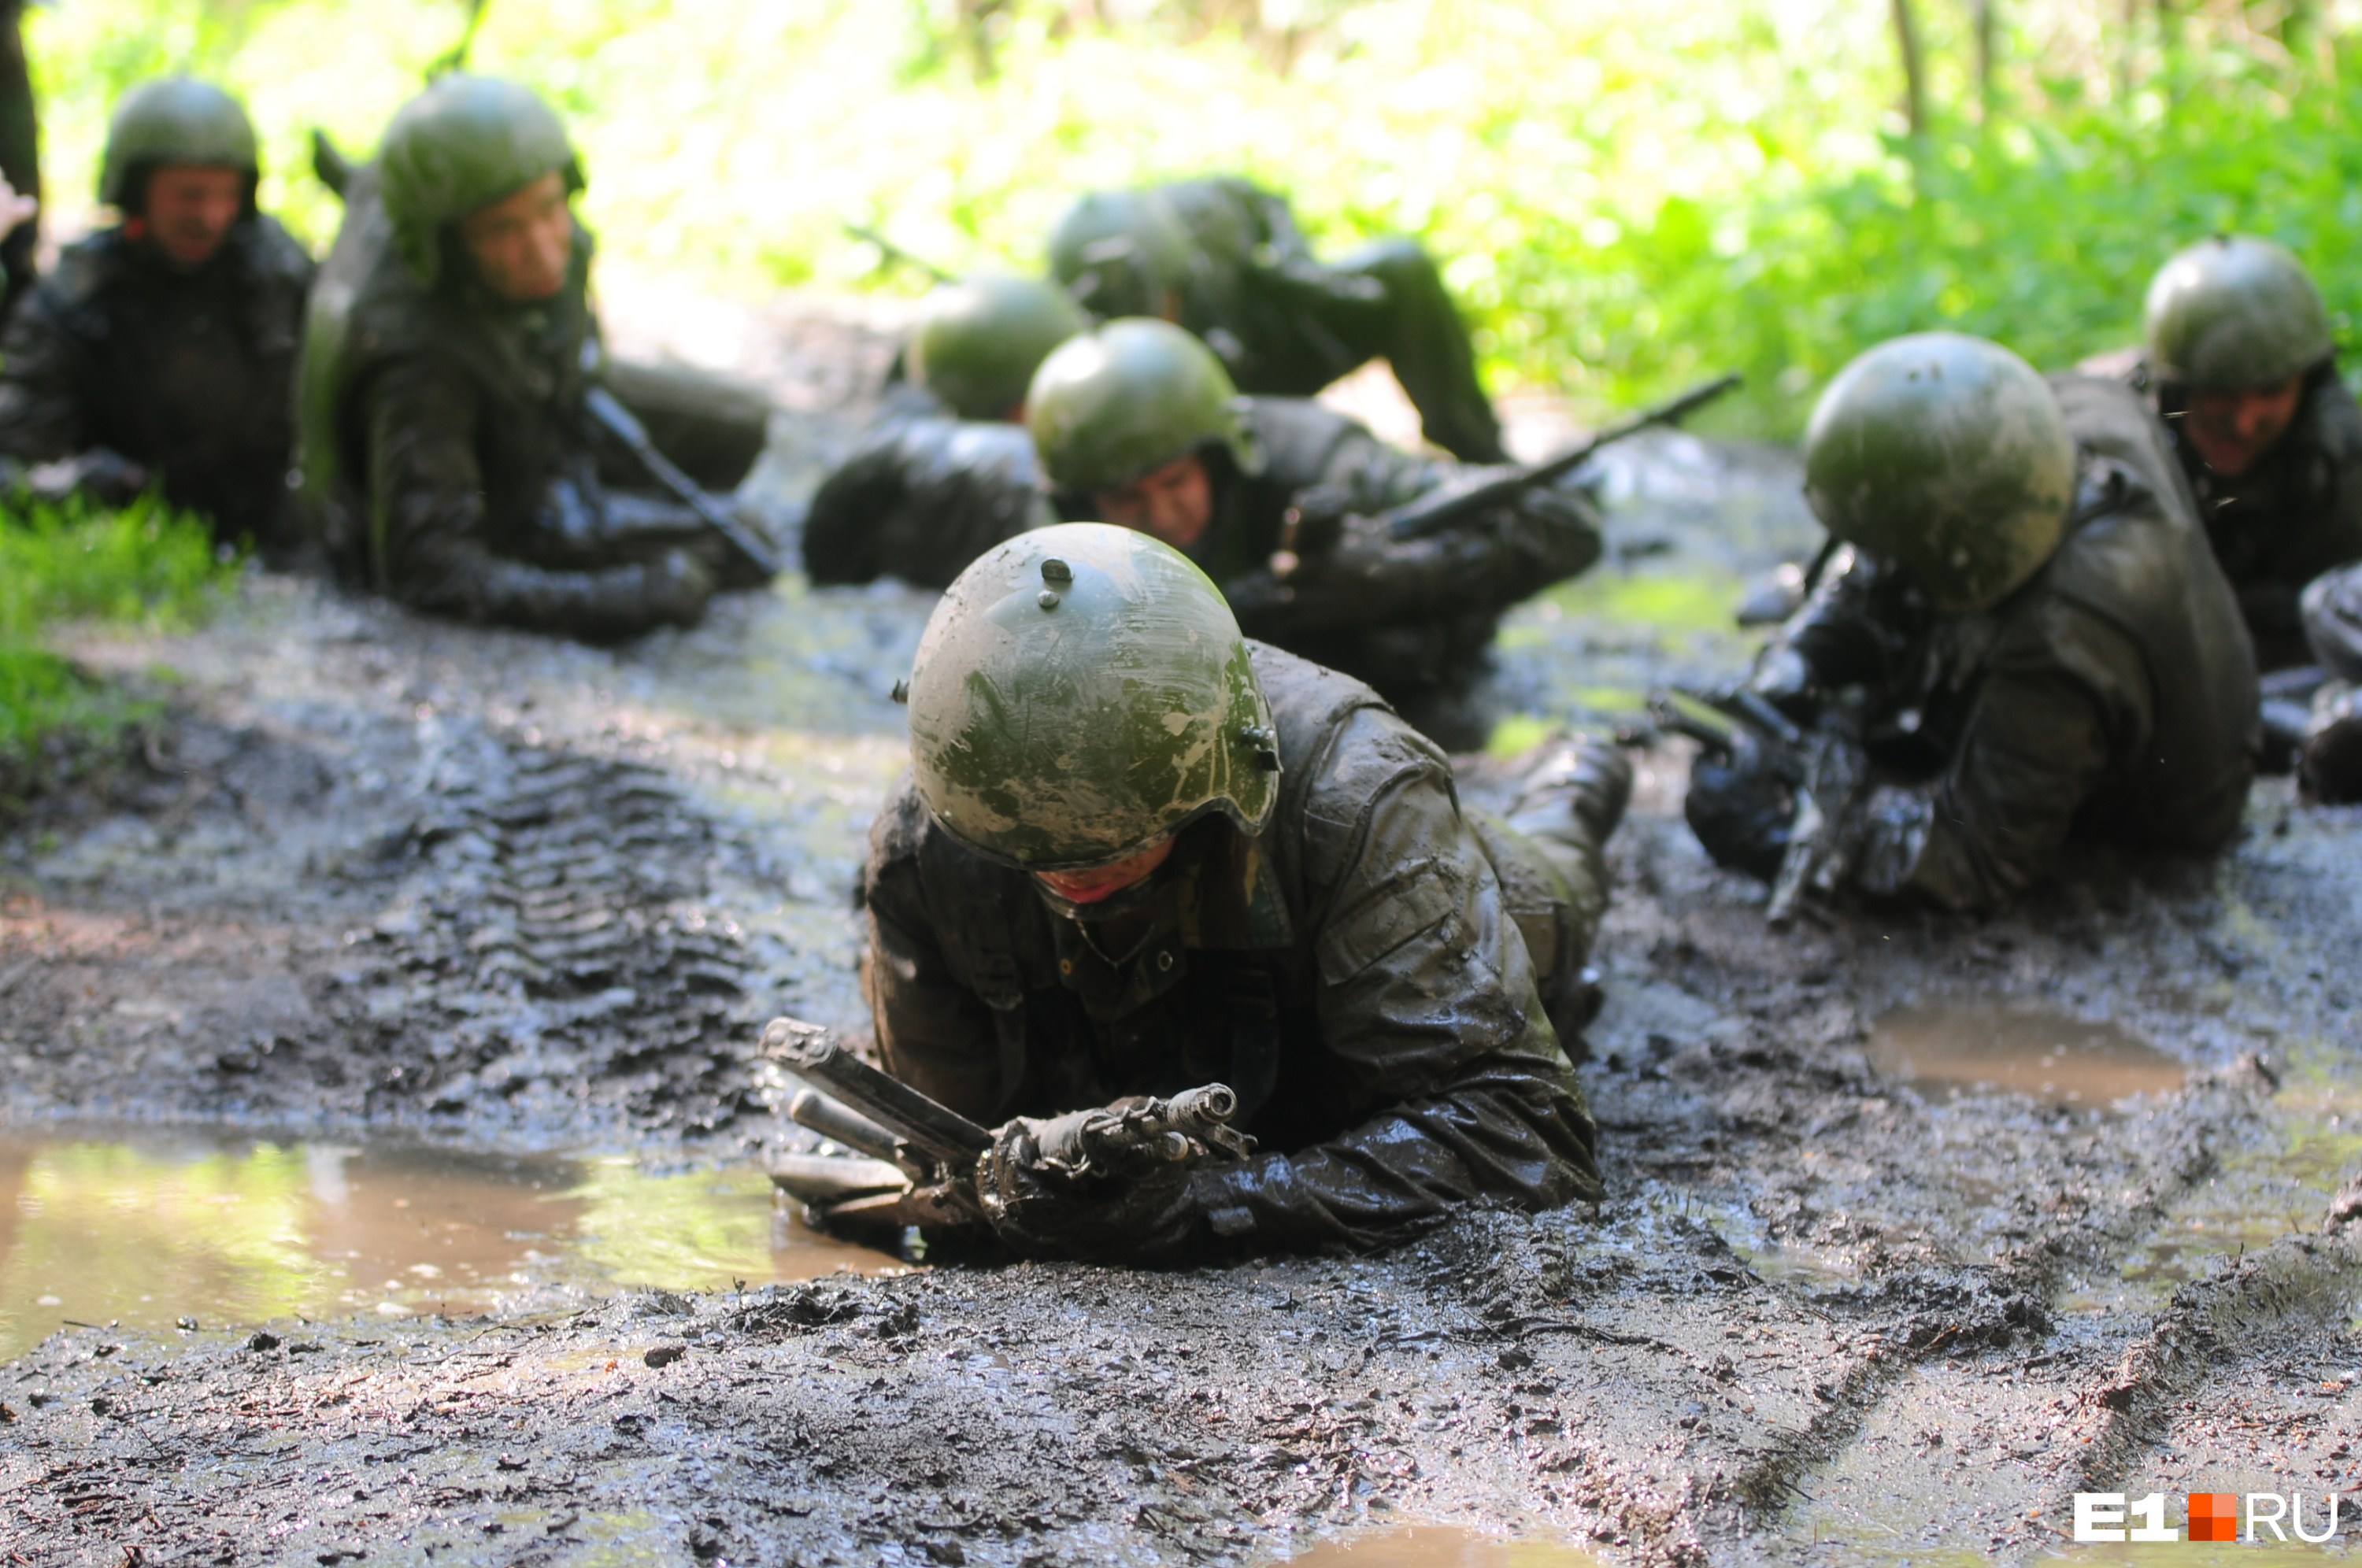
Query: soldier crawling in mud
{"type": "Point", "coordinates": [450, 456]}
{"type": "Point", "coordinates": [1224, 258]}
{"type": "Point", "coordinates": [2046, 647]}
{"type": "Point", "coordinates": [162, 351]}
{"type": "Point", "coordinates": [1137, 422]}
{"type": "Point", "coordinates": [947, 471]}
{"type": "Point", "coordinates": [2238, 363]}
{"type": "Point", "coordinates": [1136, 853]}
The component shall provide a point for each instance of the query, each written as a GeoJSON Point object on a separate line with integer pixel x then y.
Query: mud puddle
{"type": "Point", "coordinates": [151, 1233]}
{"type": "Point", "coordinates": [1441, 1546]}
{"type": "Point", "coordinates": [1944, 1050]}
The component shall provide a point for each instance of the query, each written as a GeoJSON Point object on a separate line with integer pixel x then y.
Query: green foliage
{"type": "Point", "coordinates": [1622, 208]}
{"type": "Point", "coordinates": [143, 566]}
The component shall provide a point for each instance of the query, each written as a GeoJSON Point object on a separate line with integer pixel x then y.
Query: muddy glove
{"type": "Point", "coordinates": [106, 476]}
{"type": "Point", "coordinates": [1037, 1208]}
{"type": "Point", "coordinates": [1740, 804]}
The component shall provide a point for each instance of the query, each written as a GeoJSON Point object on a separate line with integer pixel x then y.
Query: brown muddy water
{"type": "Point", "coordinates": [1946, 1049]}
{"type": "Point", "coordinates": [151, 1232]}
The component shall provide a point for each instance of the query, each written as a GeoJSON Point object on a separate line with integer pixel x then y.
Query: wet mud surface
{"type": "Point", "coordinates": [1914, 1227]}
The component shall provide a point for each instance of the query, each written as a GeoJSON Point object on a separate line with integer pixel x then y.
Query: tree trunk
{"type": "Point", "coordinates": [1980, 15]}
{"type": "Point", "coordinates": [1914, 77]}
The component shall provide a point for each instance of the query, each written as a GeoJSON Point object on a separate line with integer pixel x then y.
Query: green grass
{"type": "Point", "coordinates": [1623, 208]}
{"type": "Point", "coordinates": [144, 566]}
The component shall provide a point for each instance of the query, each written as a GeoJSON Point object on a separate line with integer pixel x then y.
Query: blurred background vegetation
{"type": "Point", "coordinates": [1628, 196]}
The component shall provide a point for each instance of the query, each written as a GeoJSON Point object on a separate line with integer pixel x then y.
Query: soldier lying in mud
{"type": "Point", "coordinates": [2022, 638]}
{"type": "Point", "coordinates": [1137, 853]}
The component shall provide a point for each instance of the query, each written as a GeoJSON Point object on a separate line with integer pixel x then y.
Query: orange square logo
{"type": "Point", "coordinates": [2214, 1515]}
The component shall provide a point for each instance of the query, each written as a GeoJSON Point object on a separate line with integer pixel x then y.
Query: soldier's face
{"type": "Point", "coordinates": [522, 243]}
{"type": "Point", "coordinates": [2233, 430]}
{"type": "Point", "coordinates": [1174, 503]}
{"type": "Point", "coordinates": [189, 208]}
{"type": "Point", "coordinates": [1105, 881]}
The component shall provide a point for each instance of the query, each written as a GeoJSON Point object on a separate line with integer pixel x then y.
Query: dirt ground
{"type": "Point", "coordinates": [378, 875]}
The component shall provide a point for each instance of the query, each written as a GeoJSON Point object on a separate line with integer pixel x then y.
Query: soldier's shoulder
{"type": "Point", "coordinates": [85, 270]}
{"type": "Point", "coordinates": [272, 252]}
{"type": "Point", "coordinates": [1299, 437]}
{"type": "Point", "coordinates": [901, 827]}
{"type": "Point", "coordinates": [1339, 742]}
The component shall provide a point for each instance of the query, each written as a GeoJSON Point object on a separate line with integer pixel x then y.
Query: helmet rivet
{"type": "Point", "coordinates": [1165, 963]}
{"type": "Point", "coordinates": [1056, 570]}
{"type": "Point", "coordinates": [1047, 600]}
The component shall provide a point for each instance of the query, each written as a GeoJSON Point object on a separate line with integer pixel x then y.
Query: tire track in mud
{"type": "Point", "coordinates": [547, 948]}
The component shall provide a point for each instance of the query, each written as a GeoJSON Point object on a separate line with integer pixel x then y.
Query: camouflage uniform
{"type": "Point", "coordinates": [2239, 314]}
{"type": "Point", "coordinates": [1356, 970]}
{"type": "Point", "coordinates": [122, 361]}
{"type": "Point", "coordinates": [1283, 323]}
{"type": "Point", "coordinates": [1413, 618]}
{"type": "Point", "coordinates": [2295, 515]}
{"type": "Point", "coordinates": [2111, 696]}
{"type": "Point", "coordinates": [449, 457]}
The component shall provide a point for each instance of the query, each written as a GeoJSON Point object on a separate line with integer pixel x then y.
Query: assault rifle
{"type": "Point", "coordinates": [922, 1157]}
{"type": "Point", "coordinates": [1305, 528]}
{"type": "Point", "coordinates": [624, 425]}
{"type": "Point", "coordinates": [1825, 767]}
{"type": "Point", "coordinates": [1434, 513]}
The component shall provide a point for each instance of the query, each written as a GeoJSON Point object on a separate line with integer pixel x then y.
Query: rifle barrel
{"type": "Point", "coordinates": [1429, 512]}
{"type": "Point", "coordinates": [824, 1116]}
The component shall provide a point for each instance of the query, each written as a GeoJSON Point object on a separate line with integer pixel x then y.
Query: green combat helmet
{"type": "Point", "coordinates": [1122, 252]}
{"type": "Point", "coordinates": [174, 119]}
{"type": "Point", "coordinates": [978, 341]}
{"type": "Point", "coordinates": [1126, 398]}
{"type": "Point", "coordinates": [1081, 694]}
{"type": "Point", "coordinates": [463, 144]}
{"type": "Point", "coordinates": [1948, 455]}
{"type": "Point", "coordinates": [2233, 312]}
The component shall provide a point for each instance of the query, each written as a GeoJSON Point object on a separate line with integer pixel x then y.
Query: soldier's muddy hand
{"type": "Point", "coordinates": [1038, 1206]}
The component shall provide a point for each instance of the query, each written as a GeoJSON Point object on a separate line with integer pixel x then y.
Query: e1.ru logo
{"type": "Point", "coordinates": [2212, 1516]}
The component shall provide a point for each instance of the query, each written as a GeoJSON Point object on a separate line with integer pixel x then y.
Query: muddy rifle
{"type": "Point", "coordinates": [1434, 513]}
{"type": "Point", "coordinates": [608, 410]}
{"type": "Point", "coordinates": [922, 1157]}
{"type": "Point", "coordinates": [1825, 767]}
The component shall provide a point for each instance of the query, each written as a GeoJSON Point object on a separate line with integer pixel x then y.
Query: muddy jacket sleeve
{"type": "Point", "coordinates": [1427, 1007]}
{"type": "Point", "coordinates": [2065, 695]}
{"type": "Point", "coordinates": [919, 499]}
{"type": "Point", "coordinates": [1482, 565]}
{"type": "Point", "coordinates": [41, 404]}
{"type": "Point", "coordinates": [427, 497]}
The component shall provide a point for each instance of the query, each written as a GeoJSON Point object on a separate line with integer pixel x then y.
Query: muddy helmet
{"type": "Point", "coordinates": [1082, 693]}
{"type": "Point", "coordinates": [463, 144]}
{"type": "Point", "coordinates": [173, 119]}
{"type": "Point", "coordinates": [1948, 455]}
{"type": "Point", "coordinates": [978, 341]}
{"type": "Point", "coordinates": [2234, 311]}
{"type": "Point", "coordinates": [1126, 398]}
{"type": "Point", "coordinates": [1122, 252]}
